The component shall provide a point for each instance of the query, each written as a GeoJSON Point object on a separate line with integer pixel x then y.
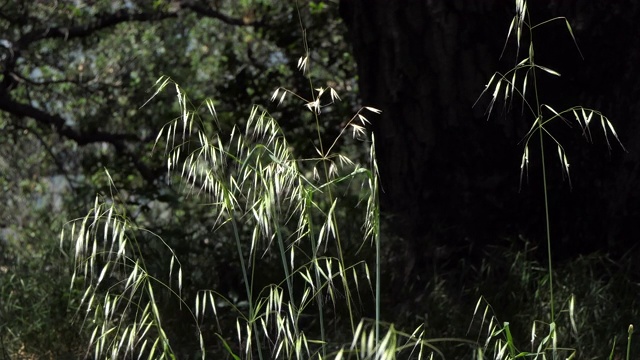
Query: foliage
{"type": "Point", "coordinates": [33, 275]}
{"type": "Point", "coordinates": [74, 75]}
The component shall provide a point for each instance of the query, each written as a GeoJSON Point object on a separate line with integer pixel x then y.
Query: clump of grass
{"type": "Point", "coordinates": [271, 202]}
{"type": "Point", "coordinates": [598, 296]}
{"type": "Point", "coordinates": [251, 180]}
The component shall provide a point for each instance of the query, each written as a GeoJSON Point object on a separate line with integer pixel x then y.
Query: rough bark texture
{"type": "Point", "coordinates": [450, 177]}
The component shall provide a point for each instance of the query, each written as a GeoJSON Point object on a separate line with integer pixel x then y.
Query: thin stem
{"type": "Point", "coordinates": [330, 196]}
{"type": "Point", "coordinates": [547, 224]}
{"type": "Point", "coordinates": [314, 250]}
{"type": "Point", "coordinates": [376, 232]}
{"type": "Point", "coordinates": [246, 284]}
{"type": "Point", "coordinates": [378, 261]}
{"type": "Point", "coordinates": [287, 273]}
{"type": "Point", "coordinates": [541, 131]}
{"type": "Point", "coordinates": [629, 342]}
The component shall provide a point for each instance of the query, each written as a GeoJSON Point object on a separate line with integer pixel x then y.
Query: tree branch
{"type": "Point", "coordinates": [103, 21]}
{"type": "Point", "coordinates": [58, 123]}
{"type": "Point", "coordinates": [209, 12]}
{"type": "Point", "coordinates": [118, 140]}
{"type": "Point", "coordinates": [109, 20]}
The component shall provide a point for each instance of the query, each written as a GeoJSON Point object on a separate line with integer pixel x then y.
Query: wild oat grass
{"type": "Point", "coordinates": [518, 82]}
{"type": "Point", "coordinates": [255, 186]}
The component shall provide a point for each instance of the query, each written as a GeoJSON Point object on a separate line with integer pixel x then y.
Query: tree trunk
{"type": "Point", "coordinates": [424, 64]}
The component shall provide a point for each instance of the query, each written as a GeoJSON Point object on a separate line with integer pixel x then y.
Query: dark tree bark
{"type": "Point", "coordinates": [424, 64]}
{"type": "Point", "coordinates": [450, 177]}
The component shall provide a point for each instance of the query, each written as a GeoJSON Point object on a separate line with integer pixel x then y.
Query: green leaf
{"type": "Point", "coordinates": [228, 348]}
